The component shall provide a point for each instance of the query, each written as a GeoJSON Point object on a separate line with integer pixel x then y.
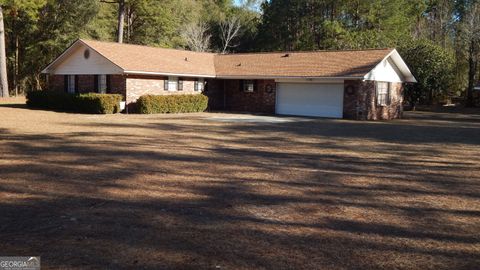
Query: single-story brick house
{"type": "Point", "coordinates": [354, 84]}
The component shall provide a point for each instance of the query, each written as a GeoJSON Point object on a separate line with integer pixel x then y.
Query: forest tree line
{"type": "Point", "coordinates": [439, 39]}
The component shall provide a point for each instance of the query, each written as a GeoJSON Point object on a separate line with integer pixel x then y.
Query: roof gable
{"type": "Point", "coordinates": [76, 60]}
{"type": "Point", "coordinates": [392, 68]}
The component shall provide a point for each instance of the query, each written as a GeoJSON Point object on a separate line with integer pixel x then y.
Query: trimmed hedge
{"type": "Point", "coordinates": [149, 104]}
{"type": "Point", "coordinates": [82, 103]}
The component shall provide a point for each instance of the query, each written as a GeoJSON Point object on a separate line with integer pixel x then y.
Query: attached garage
{"type": "Point", "coordinates": [310, 99]}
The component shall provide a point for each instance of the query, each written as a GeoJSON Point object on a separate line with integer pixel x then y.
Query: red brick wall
{"type": "Point", "coordinates": [86, 84]}
{"type": "Point", "coordinates": [360, 101]}
{"type": "Point", "coordinates": [140, 85]}
{"type": "Point", "coordinates": [56, 83]}
{"type": "Point", "coordinates": [215, 93]}
{"type": "Point", "coordinates": [229, 95]}
{"type": "Point", "coordinates": [118, 85]}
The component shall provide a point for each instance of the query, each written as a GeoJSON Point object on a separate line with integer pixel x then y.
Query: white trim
{"type": "Point", "coordinates": [310, 80]}
{"type": "Point", "coordinates": [241, 77]}
{"type": "Point", "coordinates": [166, 74]}
{"type": "Point", "coordinates": [102, 83]}
{"type": "Point", "coordinates": [71, 84]}
{"type": "Point", "coordinates": [290, 78]}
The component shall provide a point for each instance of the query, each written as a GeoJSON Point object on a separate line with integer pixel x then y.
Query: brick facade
{"type": "Point", "coordinates": [360, 102]}
{"type": "Point", "coordinates": [359, 96]}
{"type": "Point", "coordinates": [153, 85]}
{"type": "Point", "coordinates": [229, 95]}
{"type": "Point", "coordinates": [86, 84]}
{"type": "Point", "coordinates": [56, 82]}
{"type": "Point", "coordinates": [118, 85]}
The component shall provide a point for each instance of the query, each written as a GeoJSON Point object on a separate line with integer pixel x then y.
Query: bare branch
{"type": "Point", "coordinates": [229, 30]}
{"type": "Point", "coordinates": [196, 36]}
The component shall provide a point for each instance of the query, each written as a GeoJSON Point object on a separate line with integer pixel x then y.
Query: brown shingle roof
{"type": "Point", "coordinates": [151, 59]}
{"type": "Point", "coordinates": [281, 64]}
{"type": "Point", "coordinates": [300, 64]}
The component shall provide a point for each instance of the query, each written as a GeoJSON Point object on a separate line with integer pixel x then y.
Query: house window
{"type": "Point", "coordinates": [199, 85]}
{"type": "Point", "coordinates": [71, 84]}
{"type": "Point", "coordinates": [383, 93]}
{"type": "Point", "coordinates": [102, 84]}
{"type": "Point", "coordinates": [171, 84]}
{"type": "Point", "coordinates": [248, 86]}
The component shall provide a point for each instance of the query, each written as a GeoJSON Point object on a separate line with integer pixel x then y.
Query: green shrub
{"type": "Point", "coordinates": [82, 103]}
{"type": "Point", "coordinates": [98, 103]}
{"type": "Point", "coordinates": [149, 104]}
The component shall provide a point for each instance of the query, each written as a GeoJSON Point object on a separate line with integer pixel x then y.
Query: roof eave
{"type": "Point", "coordinates": [273, 77]}
{"type": "Point", "coordinates": [400, 63]}
{"type": "Point", "coordinates": [138, 72]}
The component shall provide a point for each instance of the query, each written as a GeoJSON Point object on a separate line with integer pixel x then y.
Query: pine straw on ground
{"type": "Point", "coordinates": [188, 192]}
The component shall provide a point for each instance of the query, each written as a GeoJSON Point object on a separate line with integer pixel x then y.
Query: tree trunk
{"type": "Point", "coordinates": [121, 20]}
{"type": "Point", "coordinates": [472, 70]}
{"type": "Point", "coordinates": [3, 59]}
{"type": "Point", "coordinates": [16, 65]}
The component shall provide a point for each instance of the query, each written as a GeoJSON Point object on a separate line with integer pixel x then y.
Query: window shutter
{"type": "Point", "coordinates": [65, 83]}
{"type": "Point", "coordinates": [76, 84]}
{"type": "Point", "coordinates": [242, 85]}
{"type": "Point", "coordinates": [96, 84]}
{"type": "Point", "coordinates": [195, 87]}
{"type": "Point", "coordinates": [109, 84]}
{"type": "Point", "coordinates": [180, 85]}
{"type": "Point", "coordinates": [165, 84]}
{"type": "Point", "coordinates": [255, 85]}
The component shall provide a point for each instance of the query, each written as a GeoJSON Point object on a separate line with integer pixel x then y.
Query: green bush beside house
{"type": "Point", "coordinates": [81, 103]}
{"type": "Point", "coordinates": [150, 104]}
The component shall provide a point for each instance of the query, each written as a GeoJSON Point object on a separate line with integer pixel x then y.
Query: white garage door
{"type": "Point", "coordinates": [310, 99]}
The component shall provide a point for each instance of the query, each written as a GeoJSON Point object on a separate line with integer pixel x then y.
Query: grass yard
{"type": "Point", "coordinates": [223, 191]}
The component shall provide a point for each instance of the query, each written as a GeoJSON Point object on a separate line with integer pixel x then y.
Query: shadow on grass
{"type": "Point", "coordinates": [14, 106]}
{"type": "Point", "coordinates": [322, 194]}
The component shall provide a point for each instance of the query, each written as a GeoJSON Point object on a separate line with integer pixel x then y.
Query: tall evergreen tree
{"type": "Point", "coordinates": [3, 58]}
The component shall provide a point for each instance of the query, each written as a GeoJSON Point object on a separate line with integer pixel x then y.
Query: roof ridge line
{"type": "Point", "coordinates": [145, 46]}
{"type": "Point", "coordinates": [241, 53]}
{"type": "Point", "coordinates": [313, 51]}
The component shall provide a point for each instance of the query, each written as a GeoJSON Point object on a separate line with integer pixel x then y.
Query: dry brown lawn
{"type": "Point", "coordinates": [188, 192]}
